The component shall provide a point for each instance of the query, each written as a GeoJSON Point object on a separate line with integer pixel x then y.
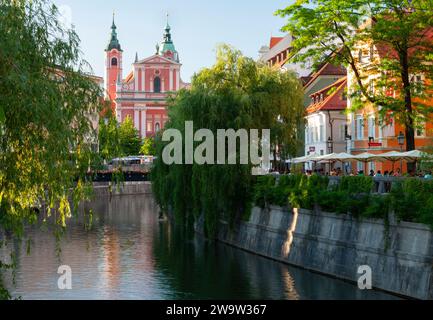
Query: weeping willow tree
{"type": "Point", "coordinates": [46, 104]}
{"type": "Point", "coordinates": [236, 93]}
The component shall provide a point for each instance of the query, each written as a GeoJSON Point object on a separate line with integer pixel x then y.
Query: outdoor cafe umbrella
{"type": "Point", "coordinates": [364, 157]}
{"type": "Point", "coordinates": [338, 157]}
{"type": "Point", "coordinates": [392, 156]}
{"type": "Point", "coordinates": [342, 157]}
{"type": "Point", "coordinates": [414, 155]}
{"type": "Point", "coordinates": [303, 159]}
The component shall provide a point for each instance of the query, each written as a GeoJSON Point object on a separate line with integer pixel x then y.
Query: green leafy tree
{"type": "Point", "coordinates": [130, 141]}
{"type": "Point", "coordinates": [109, 137]}
{"type": "Point", "coordinates": [46, 102]}
{"type": "Point", "coordinates": [235, 93]}
{"type": "Point", "coordinates": [332, 30]}
{"type": "Point", "coordinates": [148, 147]}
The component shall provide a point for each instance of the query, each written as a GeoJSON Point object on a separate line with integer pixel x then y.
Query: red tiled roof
{"type": "Point", "coordinates": [274, 41]}
{"type": "Point", "coordinates": [328, 70]}
{"type": "Point", "coordinates": [326, 104]}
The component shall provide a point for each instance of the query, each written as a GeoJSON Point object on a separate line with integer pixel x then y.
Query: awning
{"type": "Point", "coordinates": [414, 155]}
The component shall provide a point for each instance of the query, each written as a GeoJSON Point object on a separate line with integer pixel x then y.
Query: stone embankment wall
{"type": "Point", "coordinates": [400, 256]}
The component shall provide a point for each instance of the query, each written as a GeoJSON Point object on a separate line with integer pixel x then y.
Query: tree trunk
{"type": "Point", "coordinates": [409, 124]}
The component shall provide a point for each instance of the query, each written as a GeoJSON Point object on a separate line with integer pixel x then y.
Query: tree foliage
{"type": "Point", "coordinates": [130, 142]}
{"type": "Point", "coordinates": [117, 140]}
{"type": "Point", "coordinates": [235, 93]}
{"type": "Point", "coordinates": [46, 100]}
{"type": "Point", "coordinates": [402, 32]}
{"type": "Point", "coordinates": [148, 147]}
{"type": "Point", "coordinates": [109, 137]}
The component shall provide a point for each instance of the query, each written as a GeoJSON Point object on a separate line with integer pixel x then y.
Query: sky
{"type": "Point", "coordinates": [198, 26]}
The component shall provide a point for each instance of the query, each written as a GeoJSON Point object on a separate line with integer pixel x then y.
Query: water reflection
{"type": "Point", "coordinates": [129, 254]}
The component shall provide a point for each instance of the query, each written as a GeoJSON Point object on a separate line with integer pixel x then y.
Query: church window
{"type": "Point", "coordinates": [157, 85]}
{"type": "Point", "coordinates": [114, 61]}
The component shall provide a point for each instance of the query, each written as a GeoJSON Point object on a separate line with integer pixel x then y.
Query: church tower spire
{"type": "Point", "coordinates": [168, 49]}
{"type": "Point", "coordinates": [113, 65]}
{"type": "Point", "coordinates": [114, 42]}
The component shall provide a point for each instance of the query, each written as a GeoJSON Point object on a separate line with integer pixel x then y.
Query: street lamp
{"type": "Point", "coordinates": [330, 145]}
{"type": "Point", "coordinates": [400, 139]}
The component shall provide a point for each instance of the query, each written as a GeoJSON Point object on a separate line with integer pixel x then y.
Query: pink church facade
{"type": "Point", "coordinates": [142, 95]}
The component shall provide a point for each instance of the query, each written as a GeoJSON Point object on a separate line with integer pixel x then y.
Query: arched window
{"type": "Point", "coordinates": [360, 56]}
{"type": "Point", "coordinates": [157, 127]}
{"type": "Point", "coordinates": [114, 61]}
{"type": "Point", "coordinates": [157, 85]}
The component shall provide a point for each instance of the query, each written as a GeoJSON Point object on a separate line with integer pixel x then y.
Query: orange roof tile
{"type": "Point", "coordinates": [340, 84]}
{"type": "Point", "coordinates": [274, 41]}
{"type": "Point", "coordinates": [327, 69]}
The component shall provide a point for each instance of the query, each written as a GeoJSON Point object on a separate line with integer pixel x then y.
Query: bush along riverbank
{"type": "Point", "coordinates": [410, 199]}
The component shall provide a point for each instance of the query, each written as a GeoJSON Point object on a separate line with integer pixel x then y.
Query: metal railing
{"type": "Point", "coordinates": [382, 185]}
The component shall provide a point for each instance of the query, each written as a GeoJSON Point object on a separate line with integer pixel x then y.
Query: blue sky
{"type": "Point", "coordinates": [198, 26]}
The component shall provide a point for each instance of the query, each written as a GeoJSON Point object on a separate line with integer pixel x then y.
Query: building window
{"type": "Point", "coordinates": [157, 85]}
{"type": "Point", "coordinates": [360, 166]}
{"type": "Point", "coordinates": [419, 132]}
{"type": "Point", "coordinates": [371, 52]}
{"type": "Point", "coordinates": [343, 131]}
{"type": "Point", "coordinates": [360, 56]}
{"type": "Point", "coordinates": [157, 127]}
{"type": "Point", "coordinates": [371, 87]}
{"type": "Point", "coordinates": [372, 127]}
{"type": "Point", "coordinates": [418, 84]}
{"type": "Point", "coordinates": [359, 127]}
{"type": "Point", "coordinates": [149, 126]}
{"type": "Point", "coordinates": [114, 61]}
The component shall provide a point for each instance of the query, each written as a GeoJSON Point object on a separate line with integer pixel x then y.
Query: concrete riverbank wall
{"type": "Point", "coordinates": [400, 257]}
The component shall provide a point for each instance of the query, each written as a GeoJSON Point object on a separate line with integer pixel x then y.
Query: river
{"type": "Point", "coordinates": [129, 254]}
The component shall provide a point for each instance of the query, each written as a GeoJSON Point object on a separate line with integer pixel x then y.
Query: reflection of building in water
{"type": "Point", "coordinates": [111, 258]}
{"type": "Point", "coordinates": [290, 285]}
{"type": "Point", "coordinates": [127, 240]}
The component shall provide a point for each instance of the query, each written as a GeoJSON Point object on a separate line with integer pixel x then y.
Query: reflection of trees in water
{"type": "Point", "coordinates": [120, 239]}
{"type": "Point", "coordinates": [127, 240]}
{"type": "Point", "coordinates": [216, 271]}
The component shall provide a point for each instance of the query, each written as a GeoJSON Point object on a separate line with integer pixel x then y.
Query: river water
{"type": "Point", "coordinates": [129, 254]}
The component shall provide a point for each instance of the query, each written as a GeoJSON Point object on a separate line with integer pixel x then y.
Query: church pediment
{"type": "Point", "coordinates": [156, 59]}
